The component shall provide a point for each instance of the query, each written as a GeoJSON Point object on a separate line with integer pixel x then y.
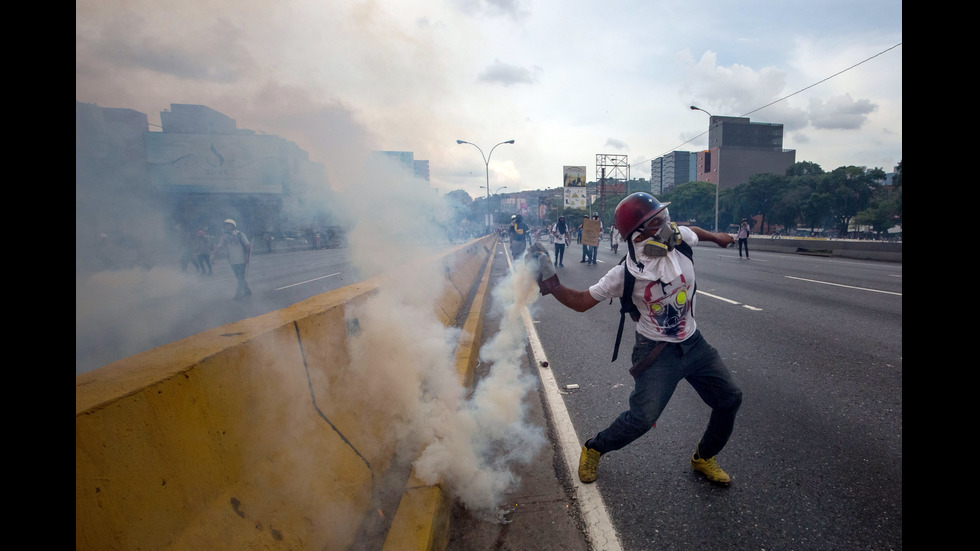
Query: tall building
{"type": "Point", "coordinates": [422, 170]}
{"type": "Point", "coordinates": [197, 171]}
{"type": "Point", "coordinates": [417, 168]}
{"type": "Point", "coordinates": [738, 149]}
{"type": "Point", "coordinates": [672, 169]}
{"type": "Point", "coordinates": [196, 119]}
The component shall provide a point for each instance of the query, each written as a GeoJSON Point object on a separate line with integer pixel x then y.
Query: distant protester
{"type": "Point", "coordinates": [559, 232]}
{"type": "Point", "coordinates": [743, 238]}
{"type": "Point", "coordinates": [239, 252]}
{"type": "Point", "coordinates": [519, 234]}
{"type": "Point", "coordinates": [202, 248]}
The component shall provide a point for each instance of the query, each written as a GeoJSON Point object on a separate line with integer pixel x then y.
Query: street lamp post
{"type": "Point", "coordinates": [486, 161]}
{"type": "Point", "coordinates": [718, 183]}
{"type": "Point", "coordinates": [495, 192]}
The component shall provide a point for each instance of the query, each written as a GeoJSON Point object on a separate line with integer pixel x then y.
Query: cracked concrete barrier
{"type": "Point", "coordinates": [239, 437]}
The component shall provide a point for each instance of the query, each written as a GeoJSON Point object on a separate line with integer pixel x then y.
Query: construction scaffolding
{"type": "Point", "coordinates": [612, 173]}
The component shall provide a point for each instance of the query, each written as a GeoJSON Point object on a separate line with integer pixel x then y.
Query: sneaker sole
{"type": "Point", "coordinates": [715, 482]}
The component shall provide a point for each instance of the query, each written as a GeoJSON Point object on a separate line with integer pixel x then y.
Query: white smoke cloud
{"type": "Point", "coordinates": [473, 455]}
{"type": "Point", "coordinates": [468, 444]}
{"type": "Point", "coordinates": [402, 357]}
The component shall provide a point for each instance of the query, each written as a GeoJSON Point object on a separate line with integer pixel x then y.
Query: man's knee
{"type": "Point", "coordinates": [734, 400]}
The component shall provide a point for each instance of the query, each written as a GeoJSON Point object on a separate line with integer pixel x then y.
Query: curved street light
{"type": "Point", "coordinates": [696, 108]}
{"type": "Point", "coordinates": [718, 183]}
{"type": "Point", "coordinates": [486, 161]}
{"type": "Point", "coordinates": [496, 191]}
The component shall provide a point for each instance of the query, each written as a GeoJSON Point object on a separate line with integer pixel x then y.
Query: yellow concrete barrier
{"type": "Point", "coordinates": [421, 522]}
{"type": "Point", "coordinates": [239, 437]}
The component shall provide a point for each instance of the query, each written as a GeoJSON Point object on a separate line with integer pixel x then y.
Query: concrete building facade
{"type": "Point", "coordinates": [739, 148]}
{"type": "Point", "coordinates": [131, 183]}
{"type": "Point", "coordinates": [416, 167]}
{"type": "Point", "coordinates": [674, 168]}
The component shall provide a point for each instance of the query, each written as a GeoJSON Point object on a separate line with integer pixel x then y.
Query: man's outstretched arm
{"type": "Point", "coordinates": [579, 301]}
{"type": "Point", "coordinates": [721, 239]}
{"type": "Point", "coordinates": [540, 263]}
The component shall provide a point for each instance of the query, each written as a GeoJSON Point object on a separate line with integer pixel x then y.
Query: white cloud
{"type": "Point", "coordinates": [840, 112]}
{"type": "Point", "coordinates": [507, 75]}
{"type": "Point", "coordinates": [559, 77]}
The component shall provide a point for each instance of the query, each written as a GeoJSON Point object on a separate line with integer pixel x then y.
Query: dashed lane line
{"type": "Point", "coordinates": [845, 286]}
{"type": "Point", "coordinates": [730, 301]}
{"type": "Point", "coordinates": [308, 281]}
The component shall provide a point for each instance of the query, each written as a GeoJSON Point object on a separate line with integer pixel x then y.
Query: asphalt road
{"type": "Point", "coordinates": [816, 457]}
{"type": "Point", "coordinates": [815, 343]}
{"type": "Point", "coordinates": [124, 312]}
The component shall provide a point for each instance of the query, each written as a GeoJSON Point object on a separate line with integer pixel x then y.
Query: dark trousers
{"type": "Point", "coordinates": [693, 360]}
{"type": "Point", "coordinates": [559, 254]}
{"type": "Point", "coordinates": [243, 289]}
{"type": "Point", "coordinates": [205, 261]}
{"type": "Point", "coordinates": [743, 241]}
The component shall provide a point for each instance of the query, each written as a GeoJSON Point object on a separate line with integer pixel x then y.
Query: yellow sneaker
{"type": "Point", "coordinates": [587, 465]}
{"type": "Point", "coordinates": [710, 469]}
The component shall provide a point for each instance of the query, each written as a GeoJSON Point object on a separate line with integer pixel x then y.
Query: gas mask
{"type": "Point", "coordinates": [666, 239]}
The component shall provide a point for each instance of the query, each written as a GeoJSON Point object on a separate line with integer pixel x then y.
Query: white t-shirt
{"type": "Point", "coordinates": [559, 237]}
{"type": "Point", "coordinates": [666, 310]}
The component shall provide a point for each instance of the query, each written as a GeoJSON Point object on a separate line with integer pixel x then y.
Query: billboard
{"type": "Point", "coordinates": [575, 185]}
{"type": "Point", "coordinates": [216, 163]}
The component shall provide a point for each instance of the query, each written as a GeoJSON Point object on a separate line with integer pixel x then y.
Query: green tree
{"type": "Point", "coordinates": [850, 189]}
{"type": "Point", "coordinates": [726, 209]}
{"type": "Point", "coordinates": [759, 195]}
{"type": "Point", "coordinates": [878, 215]}
{"type": "Point", "coordinates": [692, 202]}
{"type": "Point", "coordinates": [884, 208]}
{"type": "Point", "coordinates": [804, 168]}
{"type": "Point", "coordinates": [816, 209]}
{"type": "Point", "coordinates": [787, 210]}
{"type": "Point", "coordinates": [797, 204]}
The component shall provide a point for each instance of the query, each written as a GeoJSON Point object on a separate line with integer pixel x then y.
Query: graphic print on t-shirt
{"type": "Point", "coordinates": [668, 311]}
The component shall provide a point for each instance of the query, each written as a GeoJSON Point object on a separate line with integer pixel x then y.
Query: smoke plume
{"type": "Point", "coordinates": [469, 443]}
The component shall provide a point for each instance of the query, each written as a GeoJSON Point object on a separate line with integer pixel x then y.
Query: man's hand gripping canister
{"type": "Point", "coordinates": [539, 262]}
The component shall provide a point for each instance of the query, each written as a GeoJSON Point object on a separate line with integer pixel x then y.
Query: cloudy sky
{"type": "Point", "coordinates": [566, 79]}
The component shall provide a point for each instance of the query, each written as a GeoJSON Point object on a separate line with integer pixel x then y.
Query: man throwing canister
{"type": "Point", "coordinates": [669, 346]}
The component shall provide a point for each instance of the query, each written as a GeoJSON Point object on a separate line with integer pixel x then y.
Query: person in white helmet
{"type": "Point", "coordinates": [239, 251]}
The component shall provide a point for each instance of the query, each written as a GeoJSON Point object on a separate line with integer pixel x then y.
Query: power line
{"type": "Point", "coordinates": [838, 73]}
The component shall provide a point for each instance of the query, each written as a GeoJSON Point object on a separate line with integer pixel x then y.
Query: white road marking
{"type": "Point", "coordinates": [845, 286]}
{"type": "Point", "coordinates": [307, 281]}
{"type": "Point", "coordinates": [598, 526]}
{"type": "Point", "coordinates": [732, 302]}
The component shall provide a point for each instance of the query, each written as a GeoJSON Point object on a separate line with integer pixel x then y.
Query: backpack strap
{"type": "Point", "coordinates": [247, 249]}
{"type": "Point", "coordinates": [626, 306]}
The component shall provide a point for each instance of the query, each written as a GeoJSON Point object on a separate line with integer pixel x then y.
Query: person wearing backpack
{"type": "Point", "coordinates": [239, 251]}
{"type": "Point", "coordinates": [520, 234]}
{"type": "Point", "coordinates": [743, 238]}
{"type": "Point", "coordinates": [669, 346]}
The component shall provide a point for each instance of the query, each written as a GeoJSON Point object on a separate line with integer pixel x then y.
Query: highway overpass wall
{"type": "Point", "coordinates": [246, 436]}
{"type": "Point", "coordinates": [887, 251]}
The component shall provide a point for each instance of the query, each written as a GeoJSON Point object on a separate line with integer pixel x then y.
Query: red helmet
{"type": "Point", "coordinates": [633, 211]}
